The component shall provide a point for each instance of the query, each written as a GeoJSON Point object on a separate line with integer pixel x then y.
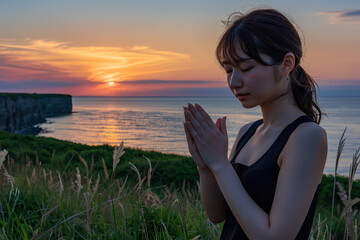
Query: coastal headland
{"type": "Point", "coordinates": [19, 112]}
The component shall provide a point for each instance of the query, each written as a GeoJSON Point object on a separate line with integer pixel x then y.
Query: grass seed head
{"type": "Point", "coordinates": [61, 186]}
{"type": "Point", "coordinates": [3, 154]}
{"type": "Point", "coordinates": [78, 180]}
{"type": "Point", "coordinates": [118, 152]}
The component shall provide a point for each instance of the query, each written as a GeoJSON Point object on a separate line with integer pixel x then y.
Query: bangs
{"type": "Point", "coordinates": [232, 38]}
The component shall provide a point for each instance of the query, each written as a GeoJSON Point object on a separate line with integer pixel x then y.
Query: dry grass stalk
{"type": "Point", "coordinates": [44, 174]}
{"type": "Point", "coordinates": [28, 181]}
{"type": "Point", "coordinates": [152, 199]}
{"type": "Point", "coordinates": [46, 215]}
{"type": "Point", "coordinates": [3, 154]}
{"type": "Point", "coordinates": [123, 215]}
{"type": "Point", "coordinates": [118, 152]}
{"type": "Point", "coordinates": [89, 183]}
{"type": "Point", "coordinates": [121, 189]}
{"type": "Point", "coordinates": [149, 172]}
{"type": "Point", "coordinates": [61, 186]}
{"type": "Point", "coordinates": [33, 176]}
{"type": "Point", "coordinates": [85, 165]}
{"type": "Point", "coordinates": [89, 210]}
{"type": "Point", "coordinates": [162, 223]}
{"type": "Point", "coordinates": [28, 165]}
{"type": "Point", "coordinates": [10, 178]}
{"type": "Point", "coordinates": [78, 181]}
{"type": "Point", "coordinates": [352, 170]}
{"type": "Point", "coordinates": [317, 228]}
{"type": "Point", "coordinates": [95, 187]}
{"type": "Point", "coordinates": [53, 155]}
{"type": "Point", "coordinates": [108, 211]}
{"type": "Point", "coordinates": [140, 181]}
{"type": "Point", "coordinates": [51, 181]}
{"type": "Point", "coordinates": [186, 197]}
{"type": "Point", "coordinates": [339, 151]}
{"type": "Point", "coordinates": [37, 162]}
{"type": "Point", "coordinates": [105, 170]}
{"type": "Point", "coordinates": [196, 237]}
{"type": "Point", "coordinates": [347, 212]}
{"type": "Point", "coordinates": [92, 163]}
{"type": "Point", "coordinates": [10, 163]}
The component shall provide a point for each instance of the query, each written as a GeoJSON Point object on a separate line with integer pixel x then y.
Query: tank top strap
{"type": "Point", "coordinates": [280, 142]}
{"type": "Point", "coordinates": [246, 136]}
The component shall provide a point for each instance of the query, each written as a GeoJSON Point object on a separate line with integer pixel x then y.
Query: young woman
{"type": "Point", "coordinates": [268, 187]}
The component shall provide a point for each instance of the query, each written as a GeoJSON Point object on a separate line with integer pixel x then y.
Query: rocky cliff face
{"type": "Point", "coordinates": [20, 112]}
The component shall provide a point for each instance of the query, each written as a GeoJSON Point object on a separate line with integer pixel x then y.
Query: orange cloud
{"type": "Point", "coordinates": [41, 59]}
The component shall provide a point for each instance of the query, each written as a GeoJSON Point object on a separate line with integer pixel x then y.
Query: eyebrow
{"type": "Point", "coordinates": [239, 60]}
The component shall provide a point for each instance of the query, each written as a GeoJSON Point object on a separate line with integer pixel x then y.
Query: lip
{"type": "Point", "coordinates": [241, 97]}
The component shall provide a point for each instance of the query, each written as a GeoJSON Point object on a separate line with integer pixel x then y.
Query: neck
{"type": "Point", "coordinates": [280, 111]}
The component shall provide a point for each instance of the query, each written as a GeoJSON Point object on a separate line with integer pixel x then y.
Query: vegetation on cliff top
{"type": "Point", "coordinates": [14, 96]}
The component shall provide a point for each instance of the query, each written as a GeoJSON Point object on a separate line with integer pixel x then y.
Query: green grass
{"type": "Point", "coordinates": [165, 205]}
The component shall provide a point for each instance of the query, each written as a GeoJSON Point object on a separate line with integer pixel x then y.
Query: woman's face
{"type": "Point", "coordinates": [253, 83]}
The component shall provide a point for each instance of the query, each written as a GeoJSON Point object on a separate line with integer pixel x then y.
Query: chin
{"type": "Point", "coordinates": [248, 105]}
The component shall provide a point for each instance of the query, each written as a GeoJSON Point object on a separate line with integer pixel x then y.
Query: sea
{"type": "Point", "coordinates": [156, 123]}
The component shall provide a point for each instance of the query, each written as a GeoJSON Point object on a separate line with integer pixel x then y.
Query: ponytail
{"type": "Point", "coordinates": [304, 91]}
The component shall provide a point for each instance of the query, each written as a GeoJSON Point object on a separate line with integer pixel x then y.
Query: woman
{"type": "Point", "coordinates": [269, 188]}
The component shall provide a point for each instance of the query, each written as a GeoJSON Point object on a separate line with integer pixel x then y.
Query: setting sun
{"type": "Point", "coordinates": [111, 83]}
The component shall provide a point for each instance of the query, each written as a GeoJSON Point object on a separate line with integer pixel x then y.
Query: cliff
{"type": "Point", "coordinates": [19, 112]}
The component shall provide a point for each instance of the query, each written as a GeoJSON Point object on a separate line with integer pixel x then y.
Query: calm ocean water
{"type": "Point", "coordinates": [155, 123]}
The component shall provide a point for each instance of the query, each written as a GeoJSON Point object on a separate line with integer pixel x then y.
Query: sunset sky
{"type": "Point", "coordinates": [158, 48]}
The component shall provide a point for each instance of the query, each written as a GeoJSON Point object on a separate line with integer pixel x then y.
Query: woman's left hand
{"type": "Point", "coordinates": [211, 142]}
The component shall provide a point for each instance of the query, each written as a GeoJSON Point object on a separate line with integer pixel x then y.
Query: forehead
{"type": "Point", "coordinates": [241, 57]}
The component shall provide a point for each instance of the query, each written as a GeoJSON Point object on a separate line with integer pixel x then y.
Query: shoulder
{"type": "Point", "coordinates": [306, 147]}
{"type": "Point", "coordinates": [308, 134]}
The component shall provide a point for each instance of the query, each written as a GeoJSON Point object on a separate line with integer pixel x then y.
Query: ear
{"type": "Point", "coordinates": [288, 63]}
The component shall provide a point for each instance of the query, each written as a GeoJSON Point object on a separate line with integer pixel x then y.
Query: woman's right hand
{"type": "Point", "coordinates": [191, 144]}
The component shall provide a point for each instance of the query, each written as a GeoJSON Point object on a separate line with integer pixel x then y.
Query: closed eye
{"type": "Point", "coordinates": [246, 70]}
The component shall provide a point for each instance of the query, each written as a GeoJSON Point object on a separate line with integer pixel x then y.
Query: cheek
{"type": "Point", "coordinates": [261, 82]}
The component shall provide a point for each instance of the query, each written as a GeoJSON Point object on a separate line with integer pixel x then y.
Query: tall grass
{"type": "Point", "coordinates": [87, 202]}
{"type": "Point", "coordinates": [348, 217]}
{"type": "Point", "coordinates": [85, 205]}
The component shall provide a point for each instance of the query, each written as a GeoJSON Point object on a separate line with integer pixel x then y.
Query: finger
{"type": "Point", "coordinates": [186, 109]}
{"type": "Point", "coordinates": [199, 118]}
{"type": "Point", "coordinates": [193, 132]}
{"type": "Point", "coordinates": [205, 115]}
{"type": "Point", "coordinates": [188, 136]}
{"type": "Point", "coordinates": [195, 124]}
{"type": "Point", "coordinates": [223, 126]}
{"type": "Point", "coordinates": [218, 123]}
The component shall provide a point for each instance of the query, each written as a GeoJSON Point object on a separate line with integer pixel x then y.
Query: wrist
{"type": "Point", "coordinates": [219, 166]}
{"type": "Point", "coordinates": [203, 170]}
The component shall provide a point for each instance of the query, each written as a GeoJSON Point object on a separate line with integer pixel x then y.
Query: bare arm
{"type": "Point", "coordinates": [211, 195]}
{"type": "Point", "coordinates": [300, 173]}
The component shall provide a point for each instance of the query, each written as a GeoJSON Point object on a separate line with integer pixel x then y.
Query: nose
{"type": "Point", "coordinates": [235, 79]}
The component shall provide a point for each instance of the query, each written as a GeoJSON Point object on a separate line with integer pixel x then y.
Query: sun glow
{"type": "Point", "coordinates": [34, 58]}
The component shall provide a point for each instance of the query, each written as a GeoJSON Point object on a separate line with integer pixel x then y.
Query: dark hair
{"type": "Point", "coordinates": [269, 32]}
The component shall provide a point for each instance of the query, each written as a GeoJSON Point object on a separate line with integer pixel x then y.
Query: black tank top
{"type": "Point", "coordinates": [259, 180]}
